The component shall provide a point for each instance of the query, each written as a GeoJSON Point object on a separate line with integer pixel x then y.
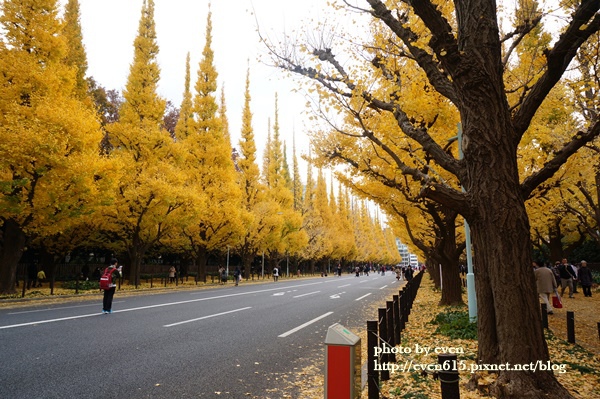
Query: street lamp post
{"type": "Point", "coordinates": [471, 295]}
{"type": "Point", "coordinates": [227, 265]}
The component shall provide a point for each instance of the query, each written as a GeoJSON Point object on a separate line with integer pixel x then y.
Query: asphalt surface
{"type": "Point", "coordinates": [249, 341]}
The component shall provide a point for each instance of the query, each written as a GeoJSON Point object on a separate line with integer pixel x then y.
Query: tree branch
{"type": "Point", "coordinates": [585, 22]}
{"type": "Point", "coordinates": [561, 157]}
{"type": "Point", "coordinates": [442, 38]}
{"type": "Point", "coordinates": [520, 31]}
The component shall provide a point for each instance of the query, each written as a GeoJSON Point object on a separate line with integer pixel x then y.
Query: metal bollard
{"type": "Point", "coordinates": [389, 314]}
{"type": "Point", "coordinates": [571, 327]}
{"type": "Point", "coordinates": [544, 316]}
{"type": "Point", "coordinates": [448, 376]}
{"type": "Point", "coordinates": [383, 335]}
{"type": "Point", "coordinates": [396, 310]}
{"type": "Point", "coordinates": [372, 374]}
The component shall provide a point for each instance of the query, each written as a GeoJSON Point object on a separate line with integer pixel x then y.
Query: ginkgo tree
{"type": "Point", "coordinates": [49, 136]}
{"type": "Point", "coordinates": [462, 51]}
{"type": "Point", "coordinates": [213, 215]}
{"type": "Point", "coordinates": [150, 191]}
{"type": "Point", "coordinates": [286, 236]}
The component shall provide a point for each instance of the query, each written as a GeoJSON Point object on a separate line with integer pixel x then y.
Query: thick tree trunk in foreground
{"type": "Point", "coordinates": [509, 321]}
{"type": "Point", "coordinates": [13, 244]}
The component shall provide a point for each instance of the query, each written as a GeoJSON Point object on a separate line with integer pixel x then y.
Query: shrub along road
{"type": "Point", "coordinates": [245, 341]}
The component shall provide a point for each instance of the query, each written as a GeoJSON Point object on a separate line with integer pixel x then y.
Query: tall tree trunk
{"type": "Point", "coordinates": [247, 265]}
{"type": "Point", "coordinates": [48, 264]}
{"type": "Point", "coordinates": [555, 242]}
{"type": "Point", "coordinates": [202, 257]}
{"type": "Point", "coordinates": [447, 254]}
{"type": "Point", "coordinates": [13, 244]}
{"type": "Point", "coordinates": [433, 268]}
{"type": "Point", "coordinates": [509, 323]}
{"type": "Point", "coordinates": [136, 257]}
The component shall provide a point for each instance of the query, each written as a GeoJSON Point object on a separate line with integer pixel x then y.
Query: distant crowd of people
{"type": "Point", "coordinates": [564, 275]}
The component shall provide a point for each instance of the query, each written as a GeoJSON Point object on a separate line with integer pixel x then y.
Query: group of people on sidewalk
{"type": "Point", "coordinates": [564, 275]}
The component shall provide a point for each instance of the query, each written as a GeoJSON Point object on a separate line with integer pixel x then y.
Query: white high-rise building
{"type": "Point", "coordinates": [404, 253]}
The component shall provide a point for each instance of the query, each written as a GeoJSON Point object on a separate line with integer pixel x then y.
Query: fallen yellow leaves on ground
{"type": "Point", "coordinates": [582, 365]}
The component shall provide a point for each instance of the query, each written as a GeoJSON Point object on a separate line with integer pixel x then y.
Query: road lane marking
{"type": "Point", "coordinates": [310, 293]}
{"type": "Point", "coordinates": [336, 296]}
{"type": "Point", "coordinates": [160, 305]}
{"type": "Point", "coordinates": [58, 308]}
{"type": "Point", "coordinates": [385, 286]}
{"type": "Point", "coordinates": [342, 286]}
{"type": "Point", "coordinates": [362, 281]}
{"type": "Point", "coordinates": [300, 327]}
{"type": "Point", "coordinates": [33, 323]}
{"type": "Point", "coordinates": [362, 297]}
{"type": "Point", "coordinates": [207, 317]}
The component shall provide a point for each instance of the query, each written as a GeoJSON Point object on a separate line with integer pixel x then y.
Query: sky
{"type": "Point", "coordinates": [110, 26]}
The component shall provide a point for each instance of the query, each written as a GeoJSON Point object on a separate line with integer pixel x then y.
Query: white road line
{"type": "Point", "coordinates": [207, 317]}
{"type": "Point", "coordinates": [279, 288]}
{"type": "Point", "coordinates": [362, 281]}
{"type": "Point", "coordinates": [310, 293]}
{"type": "Point", "coordinates": [362, 297]}
{"type": "Point", "coordinates": [345, 285]}
{"type": "Point", "coordinates": [155, 306]}
{"type": "Point", "coordinates": [308, 323]}
{"type": "Point", "coordinates": [59, 308]}
{"type": "Point", "coordinates": [33, 323]}
{"type": "Point", "coordinates": [385, 286]}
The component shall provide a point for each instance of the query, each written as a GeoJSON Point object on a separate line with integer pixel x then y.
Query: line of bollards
{"type": "Point", "coordinates": [386, 331]}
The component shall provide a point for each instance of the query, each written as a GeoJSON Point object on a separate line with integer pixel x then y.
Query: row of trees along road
{"type": "Point", "coordinates": [402, 89]}
{"type": "Point", "coordinates": [82, 166]}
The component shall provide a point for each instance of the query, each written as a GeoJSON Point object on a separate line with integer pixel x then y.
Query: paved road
{"type": "Point", "coordinates": [248, 341]}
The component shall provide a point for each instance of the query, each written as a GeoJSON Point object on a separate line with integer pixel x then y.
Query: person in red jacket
{"type": "Point", "coordinates": [114, 273]}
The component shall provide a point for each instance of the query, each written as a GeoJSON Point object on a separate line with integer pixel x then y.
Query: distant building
{"type": "Point", "coordinates": [404, 254]}
{"type": "Point", "coordinates": [414, 262]}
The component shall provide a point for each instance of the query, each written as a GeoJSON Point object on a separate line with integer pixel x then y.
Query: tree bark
{"type": "Point", "coordinates": [433, 268]}
{"type": "Point", "coordinates": [509, 322]}
{"type": "Point", "coordinates": [202, 256]}
{"type": "Point", "coordinates": [136, 256]}
{"type": "Point", "coordinates": [13, 244]}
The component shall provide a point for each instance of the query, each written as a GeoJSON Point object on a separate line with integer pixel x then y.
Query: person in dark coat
{"type": "Point", "coordinates": [585, 279]}
{"type": "Point", "coordinates": [567, 274]}
{"type": "Point", "coordinates": [31, 275]}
